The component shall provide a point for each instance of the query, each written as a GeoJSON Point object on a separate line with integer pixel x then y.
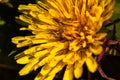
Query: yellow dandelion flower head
{"type": "Point", "coordinates": [64, 33]}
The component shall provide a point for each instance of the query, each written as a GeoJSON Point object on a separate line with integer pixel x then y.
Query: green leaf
{"type": "Point", "coordinates": [115, 16]}
{"type": "Point", "coordinates": [12, 52]}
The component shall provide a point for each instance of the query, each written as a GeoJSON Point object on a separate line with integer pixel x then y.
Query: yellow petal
{"type": "Point", "coordinates": [97, 43]}
{"type": "Point", "coordinates": [31, 50]}
{"type": "Point", "coordinates": [74, 45]}
{"type": "Point", "coordinates": [29, 7]}
{"type": "Point", "coordinates": [88, 53]}
{"type": "Point", "coordinates": [45, 69]}
{"type": "Point", "coordinates": [41, 53]}
{"type": "Point", "coordinates": [91, 64]}
{"type": "Point", "coordinates": [48, 73]}
{"type": "Point", "coordinates": [23, 7]}
{"type": "Point", "coordinates": [24, 43]}
{"type": "Point", "coordinates": [57, 68]}
{"type": "Point", "coordinates": [83, 7]}
{"type": "Point", "coordinates": [96, 49]}
{"type": "Point", "coordinates": [53, 3]}
{"type": "Point", "coordinates": [53, 27]}
{"type": "Point", "coordinates": [77, 10]}
{"type": "Point", "coordinates": [23, 28]}
{"type": "Point", "coordinates": [108, 15]}
{"type": "Point", "coordinates": [33, 7]}
{"type": "Point", "coordinates": [23, 60]}
{"type": "Point", "coordinates": [78, 70]}
{"type": "Point", "coordinates": [17, 39]}
{"type": "Point", "coordinates": [68, 57]}
{"type": "Point", "coordinates": [39, 41]}
{"type": "Point", "coordinates": [108, 6]}
{"type": "Point", "coordinates": [26, 19]}
{"type": "Point", "coordinates": [39, 47]}
{"type": "Point", "coordinates": [77, 56]}
{"type": "Point", "coordinates": [46, 59]}
{"type": "Point", "coordinates": [34, 28]}
{"type": "Point", "coordinates": [55, 60]}
{"type": "Point", "coordinates": [91, 3]}
{"type": "Point", "coordinates": [45, 36]}
{"type": "Point", "coordinates": [44, 72]}
{"type": "Point", "coordinates": [48, 45]}
{"type": "Point", "coordinates": [84, 44]}
{"type": "Point", "coordinates": [58, 47]}
{"type": "Point", "coordinates": [43, 5]}
{"type": "Point", "coordinates": [68, 75]}
{"type": "Point", "coordinates": [97, 11]}
{"type": "Point", "coordinates": [45, 19]}
{"type": "Point", "coordinates": [56, 14]}
{"type": "Point", "coordinates": [27, 68]}
{"type": "Point", "coordinates": [100, 36]}
{"type": "Point", "coordinates": [89, 39]}
{"type": "Point", "coordinates": [39, 77]}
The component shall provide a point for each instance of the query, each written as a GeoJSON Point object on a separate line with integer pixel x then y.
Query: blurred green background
{"type": "Point", "coordinates": [10, 28]}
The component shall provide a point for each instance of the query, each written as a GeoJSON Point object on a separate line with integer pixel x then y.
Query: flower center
{"type": "Point", "coordinates": [76, 37]}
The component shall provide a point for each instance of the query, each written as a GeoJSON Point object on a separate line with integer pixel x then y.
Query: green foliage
{"type": "Point", "coordinates": [2, 22]}
{"type": "Point", "coordinates": [115, 16]}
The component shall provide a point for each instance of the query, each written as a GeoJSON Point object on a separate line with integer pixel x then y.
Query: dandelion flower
{"type": "Point", "coordinates": [65, 33]}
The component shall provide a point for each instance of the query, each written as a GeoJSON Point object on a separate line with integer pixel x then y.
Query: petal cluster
{"type": "Point", "coordinates": [65, 33]}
